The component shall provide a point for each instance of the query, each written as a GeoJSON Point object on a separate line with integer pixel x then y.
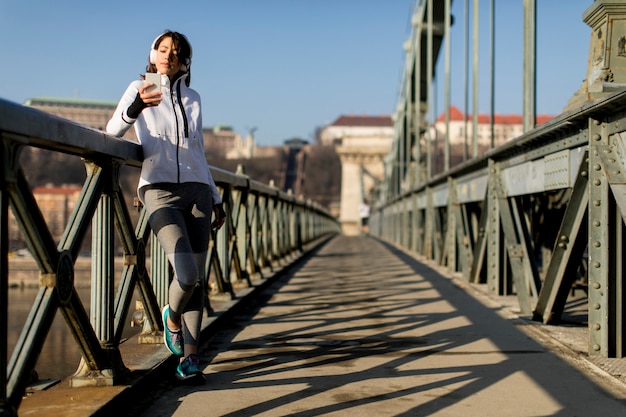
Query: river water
{"type": "Point", "coordinates": [60, 356]}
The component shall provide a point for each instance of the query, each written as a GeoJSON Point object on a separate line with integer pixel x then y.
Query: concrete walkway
{"type": "Point", "coordinates": [362, 329]}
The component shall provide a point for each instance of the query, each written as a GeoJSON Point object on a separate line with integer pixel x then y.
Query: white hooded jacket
{"type": "Point", "coordinates": [170, 135]}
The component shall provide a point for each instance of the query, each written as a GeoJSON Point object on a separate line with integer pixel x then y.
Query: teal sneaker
{"type": "Point", "coordinates": [173, 340]}
{"type": "Point", "coordinates": [188, 369]}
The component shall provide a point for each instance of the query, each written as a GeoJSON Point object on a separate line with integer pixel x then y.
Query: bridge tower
{"type": "Point", "coordinates": [361, 143]}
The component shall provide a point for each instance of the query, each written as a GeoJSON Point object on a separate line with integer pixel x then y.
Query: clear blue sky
{"type": "Point", "coordinates": [285, 67]}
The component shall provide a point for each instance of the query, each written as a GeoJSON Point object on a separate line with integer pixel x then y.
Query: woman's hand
{"type": "Point", "coordinates": [150, 99]}
{"type": "Point", "coordinates": [220, 216]}
{"type": "Point", "coordinates": [142, 100]}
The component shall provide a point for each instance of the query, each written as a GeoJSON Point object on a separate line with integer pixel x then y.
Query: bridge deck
{"type": "Point", "coordinates": [362, 328]}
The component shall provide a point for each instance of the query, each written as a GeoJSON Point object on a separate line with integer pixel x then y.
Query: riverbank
{"type": "Point", "coordinates": [24, 272]}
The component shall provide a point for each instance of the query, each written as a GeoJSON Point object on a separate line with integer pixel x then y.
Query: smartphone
{"type": "Point", "coordinates": [155, 79]}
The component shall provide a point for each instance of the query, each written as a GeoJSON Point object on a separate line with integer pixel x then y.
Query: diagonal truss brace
{"type": "Point", "coordinates": [567, 252]}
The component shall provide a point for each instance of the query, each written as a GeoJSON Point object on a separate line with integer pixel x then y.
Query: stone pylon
{"type": "Point", "coordinates": [606, 64]}
{"type": "Point", "coordinates": [359, 156]}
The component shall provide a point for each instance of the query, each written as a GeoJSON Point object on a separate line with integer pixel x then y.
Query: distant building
{"type": "Point", "coordinates": [296, 143]}
{"type": "Point", "coordinates": [92, 113]}
{"type": "Point", "coordinates": [227, 142]}
{"type": "Point", "coordinates": [371, 127]}
{"type": "Point", "coordinates": [506, 127]}
{"type": "Point", "coordinates": [292, 172]}
{"type": "Point", "coordinates": [56, 205]}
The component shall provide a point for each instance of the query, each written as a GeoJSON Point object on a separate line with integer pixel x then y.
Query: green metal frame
{"type": "Point", "coordinates": [265, 230]}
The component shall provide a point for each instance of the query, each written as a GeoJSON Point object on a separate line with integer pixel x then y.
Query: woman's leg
{"type": "Point", "coordinates": [180, 216]}
{"type": "Point", "coordinates": [198, 222]}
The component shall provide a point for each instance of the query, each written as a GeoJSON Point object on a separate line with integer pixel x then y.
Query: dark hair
{"type": "Point", "coordinates": [183, 49]}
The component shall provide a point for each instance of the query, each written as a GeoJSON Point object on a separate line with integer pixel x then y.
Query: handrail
{"type": "Point", "coordinates": [533, 218]}
{"type": "Point", "coordinates": [266, 229]}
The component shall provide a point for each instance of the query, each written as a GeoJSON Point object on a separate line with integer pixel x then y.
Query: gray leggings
{"type": "Point", "coordinates": [180, 216]}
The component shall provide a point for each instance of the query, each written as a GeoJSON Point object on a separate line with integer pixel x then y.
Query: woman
{"type": "Point", "coordinates": [176, 186]}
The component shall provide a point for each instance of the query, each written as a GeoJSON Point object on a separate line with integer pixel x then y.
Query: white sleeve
{"type": "Point", "coordinates": [120, 122]}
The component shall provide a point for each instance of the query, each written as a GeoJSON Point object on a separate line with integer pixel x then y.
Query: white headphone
{"type": "Point", "coordinates": [153, 51]}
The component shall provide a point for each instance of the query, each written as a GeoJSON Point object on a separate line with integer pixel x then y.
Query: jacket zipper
{"type": "Point", "coordinates": [182, 109]}
{"type": "Point", "coordinates": [185, 123]}
{"type": "Point", "coordinates": [177, 135]}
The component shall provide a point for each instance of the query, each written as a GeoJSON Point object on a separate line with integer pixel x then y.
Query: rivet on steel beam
{"type": "Point", "coordinates": [596, 264]}
{"type": "Point", "coordinates": [596, 347]}
{"type": "Point", "coordinates": [562, 245]}
{"type": "Point", "coordinates": [564, 238]}
{"type": "Point", "coordinates": [596, 122]}
{"type": "Point", "coordinates": [596, 285]}
{"type": "Point", "coordinates": [597, 203]}
{"type": "Point", "coordinates": [596, 223]}
{"type": "Point", "coordinates": [596, 306]}
{"type": "Point", "coordinates": [596, 137]}
{"type": "Point", "coordinates": [597, 167]}
{"type": "Point", "coordinates": [597, 244]}
{"type": "Point", "coordinates": [597, 182]}
{"type": "Point", "coordinates": [583, 173]}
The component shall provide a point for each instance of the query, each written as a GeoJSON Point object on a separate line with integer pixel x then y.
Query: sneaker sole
{"type": "Point", "coordinates": [197, 378]}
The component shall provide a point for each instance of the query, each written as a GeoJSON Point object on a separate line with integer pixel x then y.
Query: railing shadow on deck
{"type": "Point", "coordinates": [266, 230]}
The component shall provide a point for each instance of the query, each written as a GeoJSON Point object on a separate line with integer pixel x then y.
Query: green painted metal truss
{"type": "Point", "coordinates": [534, 218]}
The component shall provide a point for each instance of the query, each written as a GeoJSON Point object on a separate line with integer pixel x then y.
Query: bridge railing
{"type": "Point", "coordinates": [266, 230]}
{"type": "Point", "coordinates": [535, 218]}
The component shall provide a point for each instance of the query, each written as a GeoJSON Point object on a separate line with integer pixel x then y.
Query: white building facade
{"type": "Point", "coordinates": [505, 127]}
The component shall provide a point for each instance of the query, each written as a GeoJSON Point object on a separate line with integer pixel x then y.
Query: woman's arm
{"type": "Point", "coordinates": [121, 121]}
